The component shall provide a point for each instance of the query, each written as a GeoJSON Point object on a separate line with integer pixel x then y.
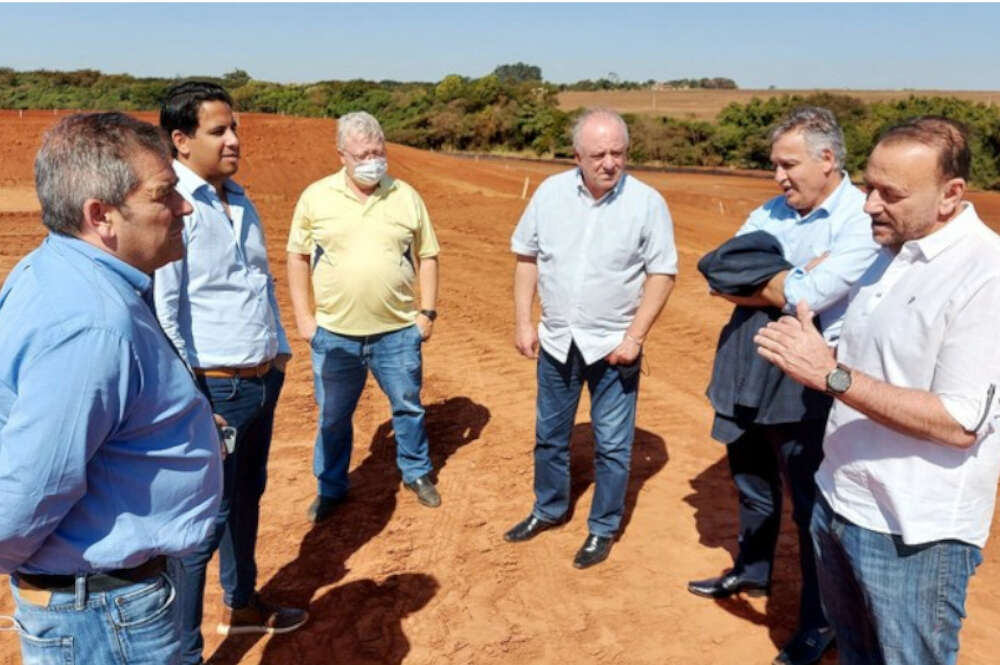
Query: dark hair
{"type": "Point", "coordinates": [182, 102]}
{"type": "Point", "coordinates": [90, 155]}
{"type": "Point", "coordinates": [947, 136]}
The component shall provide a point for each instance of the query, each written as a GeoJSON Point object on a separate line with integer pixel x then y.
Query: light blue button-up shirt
{"type": "Point", "coordinates": [593, 257]}
{"type": "Point", "coordinates": [217, 304]}
{"type": "Point", "coordinates": [108, 452]}
{"type": "Point", "coordinates": [839, 226]}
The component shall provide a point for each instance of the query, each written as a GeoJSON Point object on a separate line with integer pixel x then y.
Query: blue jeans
{"type": "Point", "coordinates": [340, 367]}
{"type": "Point", "coordinates": [891, 603]}
{"type": "Point", "coordinates": [612, 415]}
{"type": "Point", "coordinates": [248, 405]}
{"type": "Point", "coordinates": [757, 461]}
{"type": "Point", "coordinates": [133, 625]}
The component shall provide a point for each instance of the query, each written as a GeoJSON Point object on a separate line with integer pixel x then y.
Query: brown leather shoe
{"type": "Point", "coordinates": [260, 617]}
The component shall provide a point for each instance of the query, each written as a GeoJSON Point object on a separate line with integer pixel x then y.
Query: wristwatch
{"type": "Point", "coordinates": [838, 381]}
{"type": "Point", "coordinates": [431, 314]}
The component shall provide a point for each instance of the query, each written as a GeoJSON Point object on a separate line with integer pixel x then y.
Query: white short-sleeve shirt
{"type": "Point", "coordinates": [593, 257]}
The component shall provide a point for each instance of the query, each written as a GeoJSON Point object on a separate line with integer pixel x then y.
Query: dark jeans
{"type": "Point", "coordinates": [758, 460]}
{"type": "Point", "coordinates": [248, 405]}
{"type": "Point", "coordinates": [612, 415]}
{"type": "Point", "coordinates": [891, 603]}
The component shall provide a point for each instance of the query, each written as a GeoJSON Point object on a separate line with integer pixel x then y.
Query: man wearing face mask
{"type": "Point", "coordinates": [359, 241]}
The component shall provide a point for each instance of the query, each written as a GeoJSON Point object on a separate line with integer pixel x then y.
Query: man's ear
{"type": "Point", "coordinates": [97, 220]}
{"type": "Point", "coordinates": [951, 198]}
{"type": "Point", "coordinates": [829, 162]}
{"type": "Point", "coordinates": [180, 141]}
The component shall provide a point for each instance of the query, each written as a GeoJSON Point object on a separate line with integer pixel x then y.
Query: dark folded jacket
{"type": "Point", "coordinates": [745, 388]}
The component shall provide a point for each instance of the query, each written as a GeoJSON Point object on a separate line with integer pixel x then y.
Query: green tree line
{"type": "Point", "coordinates": [511, 110]}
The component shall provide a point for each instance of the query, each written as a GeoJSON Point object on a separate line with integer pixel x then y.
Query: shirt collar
{"type": "Point", "coordinates": [338, 181]}
{"type": "Point", "coordinates": [137, 279]}
{"type": "Point", "coordinates": [830, 203]}
{"type": "Point", "coordinates": [933, 244]}
{"type": "Point", "coordinates": [192, 182]}
{"type": "Point", "coordinates": [608, 195]}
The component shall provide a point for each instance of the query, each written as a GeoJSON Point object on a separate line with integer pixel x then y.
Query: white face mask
{"type": "Point", "coordinates": [369, 172]}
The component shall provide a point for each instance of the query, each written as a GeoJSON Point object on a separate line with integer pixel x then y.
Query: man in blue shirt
{"type": "Point", "coordinates": [598, 246]}
{"type": "Point", "coordinates": [109, 456]}
{"type": "Point", "coordinates": [822, 228]}
{"type": "Point", "coordinates": [218, 306]}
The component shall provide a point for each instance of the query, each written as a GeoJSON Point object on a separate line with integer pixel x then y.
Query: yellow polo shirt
{"type": "Point", "coordinates": [363, 255]}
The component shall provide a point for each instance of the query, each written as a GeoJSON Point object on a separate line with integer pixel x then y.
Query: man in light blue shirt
{"type": "Point", "coordinates": [218, 306]}
{"type": "Point", "coordinates": [598, 246]}
{"type": "Point", "coordinates": [822, 228]}
{"type": "Point", "coordinates": [109, 456]}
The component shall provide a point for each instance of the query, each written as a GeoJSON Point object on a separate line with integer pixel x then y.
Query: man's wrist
{"type": "Point", "coordinates": [429, 313]}
{"type": "Point", "coordinates": [635, 339]}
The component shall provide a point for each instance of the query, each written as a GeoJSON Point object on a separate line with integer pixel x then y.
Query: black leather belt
{"type": "Point", "coordinates": [96, 582]}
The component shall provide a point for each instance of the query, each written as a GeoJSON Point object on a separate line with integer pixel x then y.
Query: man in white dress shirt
{"type": "Point", "coordinates": [217, 306]}
{"type": "Point", "coordinates": [912, 451]}
{"type": "Point", "coordinates": [598, 246]}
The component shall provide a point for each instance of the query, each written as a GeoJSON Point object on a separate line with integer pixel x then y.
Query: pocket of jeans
{"type": "Point", "coordinates": [47, 651]}
{"type": "Point", "coordinates": [315, 339]}
{"type": "Point", "coordinates": [222, 390]}
{"type": "Point", "coordinates": [144, 605]}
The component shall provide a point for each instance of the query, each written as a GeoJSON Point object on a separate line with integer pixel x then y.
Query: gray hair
{"type": "Point", "coordinates": [89, 156]}
{"type": "Point", "coordinates": [819, 129]}
{"type": "Point", "coordinates": [358, 123]}
{"type": "Point", "coordinates": [597, 112]}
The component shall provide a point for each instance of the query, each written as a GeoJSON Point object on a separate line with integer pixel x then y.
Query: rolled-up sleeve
{"type": "Point", "coordinates": [851, 252]}
{"type": "Point", "coordinates": [967, 371]}
{"type": "Point", "coordinates": [61, 413]}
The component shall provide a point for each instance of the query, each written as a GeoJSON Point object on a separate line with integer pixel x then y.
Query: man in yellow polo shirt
{"type": "Point", "coordinates": [359, 241]}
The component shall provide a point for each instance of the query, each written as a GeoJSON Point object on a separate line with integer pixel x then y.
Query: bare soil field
{"type": "Point", "coordinates": [706, 104]}
{"type": "Point", "coordinates": [388, 581]}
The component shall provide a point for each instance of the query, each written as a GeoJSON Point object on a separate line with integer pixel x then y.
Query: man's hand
{"type": "Point", "coordinates": [795, 346]}
{"type": "Point", "coordinates": [425, 326]}
{"type": "Point", "coordinates": [526, 340]}
{"type": "Point", "coordinates": [626, 352]}
{"type": "Point", "coordinates": [281, 361]}
{"type": "Point", "coordinates": [220, 422]}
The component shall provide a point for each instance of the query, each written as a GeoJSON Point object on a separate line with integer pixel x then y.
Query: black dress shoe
{"type": "Point", "coordinates": [426, 493]}
{"type": "Point", "coordinates": [527, 529]}
{"type": "Point", "coordinates": [727, 585]}
{"type": "Point", "coordinates": [322, 507]}
{"type": "Point", "coordinates": [806, 647]}
{"type": "Point", "coordinates": [595, 549]}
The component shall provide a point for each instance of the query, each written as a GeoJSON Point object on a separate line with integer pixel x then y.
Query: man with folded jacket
{"type": "Point", "coordinates": [811, 243]}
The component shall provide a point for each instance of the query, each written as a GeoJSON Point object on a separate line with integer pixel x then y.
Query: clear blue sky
{"type": "Point", "coordinates": [943, 46]}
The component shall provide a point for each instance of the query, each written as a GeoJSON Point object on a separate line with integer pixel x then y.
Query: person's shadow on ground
{"type": "Point", "coordinates": [649, 455]}
{"type": "Point", "coordinates": [347, 620]}
{"type": "Point", "coordinates": [716, 505]}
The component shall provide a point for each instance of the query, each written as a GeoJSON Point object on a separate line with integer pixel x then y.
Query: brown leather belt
{"type": "Point", "coordinates": [96, 582]}
{"type": "Point", "coordinates": [235, 372]}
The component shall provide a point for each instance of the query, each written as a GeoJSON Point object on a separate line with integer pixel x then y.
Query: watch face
{"type": "Point", "coordinates": [838, 380]}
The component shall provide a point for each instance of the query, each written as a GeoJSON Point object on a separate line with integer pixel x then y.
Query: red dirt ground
{"type": "Point", "coordinates": [390, 582]}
